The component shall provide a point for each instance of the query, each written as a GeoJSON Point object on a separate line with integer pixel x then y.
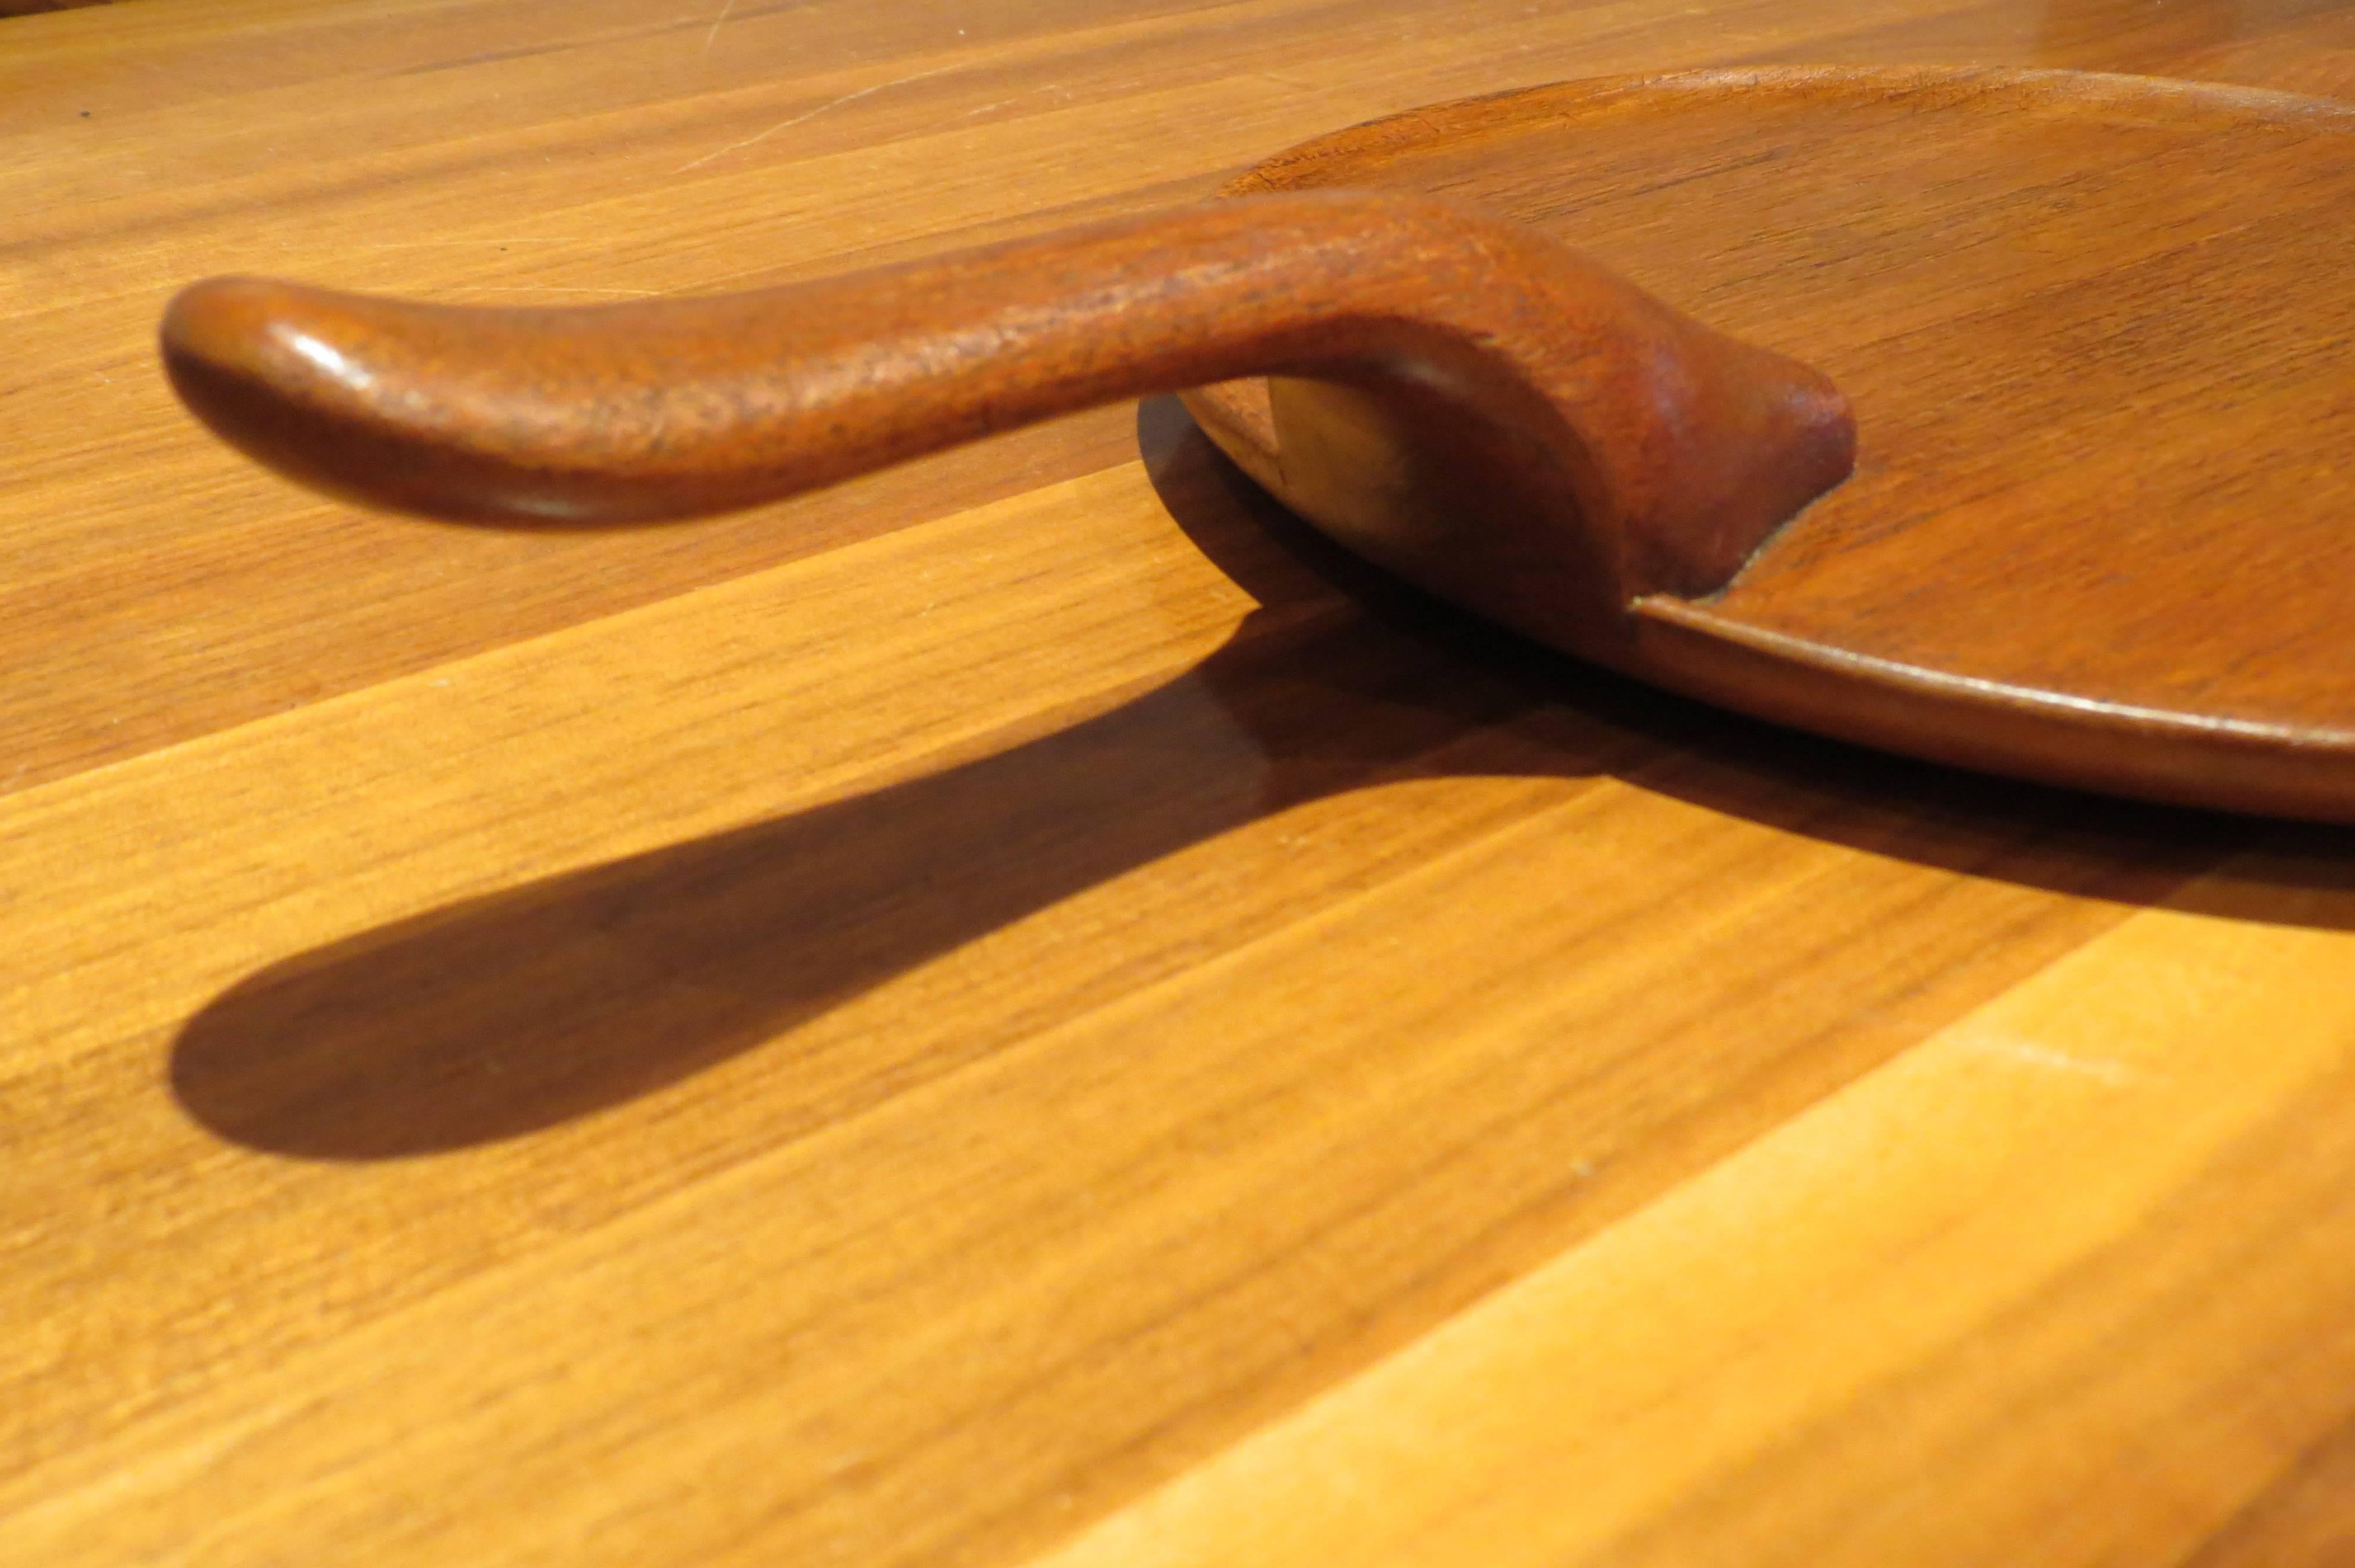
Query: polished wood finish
{"type": "Point", "coordinates": [1617, 448]}
{"type": "Point", "coordinates": [2097, 327]}
{"type": "Point", "coordinates": [1026, 1006]}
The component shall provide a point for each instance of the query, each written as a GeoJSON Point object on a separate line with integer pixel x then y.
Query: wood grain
{"type": "Point", "coordinates": [1848, 1413]}
{"type": "Point", "coordinates": [423, 145]}
{"type": "Point", "coordinates": [2098, 537]}
{"type": "Point", "coordinates": [856, 1034]}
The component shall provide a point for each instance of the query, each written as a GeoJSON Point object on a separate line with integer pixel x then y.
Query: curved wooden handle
{"type": "Point", "coordinates": [1668, 450]}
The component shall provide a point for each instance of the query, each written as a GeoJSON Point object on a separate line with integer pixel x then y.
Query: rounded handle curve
{"type": "Point", "coordinates": [1662, 451]}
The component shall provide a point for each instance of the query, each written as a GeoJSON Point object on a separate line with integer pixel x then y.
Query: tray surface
{"type": "Point", "coordinates": [2096, 329]}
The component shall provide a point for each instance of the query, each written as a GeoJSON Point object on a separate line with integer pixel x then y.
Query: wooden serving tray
{"type": "Point", "coordinates": [2091, 491]}
{"type": "Point", "coordinates": [2099, 332]}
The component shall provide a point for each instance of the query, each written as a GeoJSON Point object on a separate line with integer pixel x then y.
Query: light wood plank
{"type": "Point", "coordinates": [1788, 1359]}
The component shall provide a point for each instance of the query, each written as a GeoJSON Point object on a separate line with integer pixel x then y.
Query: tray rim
{"type": "Point", "coordinates": [2183, 100]}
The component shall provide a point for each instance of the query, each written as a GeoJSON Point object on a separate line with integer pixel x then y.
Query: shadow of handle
{"type": "Point", "coordinates": [539, 1004]}
{"type": "Point", "coordinates": [1653, 448]}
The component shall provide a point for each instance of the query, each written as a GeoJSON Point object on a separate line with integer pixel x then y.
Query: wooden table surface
{"type": "Point", "coordinates": [1020, 1010]}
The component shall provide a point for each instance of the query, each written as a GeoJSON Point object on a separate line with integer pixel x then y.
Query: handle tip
{"type": "Point", "coordinates": [269, 368]}
{"type": "Point", "coordinates": [370, 401]}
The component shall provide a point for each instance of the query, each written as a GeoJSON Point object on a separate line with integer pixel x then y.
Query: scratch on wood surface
{"type": "Point", "coordinates": [813, 114]}
{"type": "Point", "coordinates": [716, 22]}
{"type": "Point", "coordinates": [560, 289]}
{"type": "Point", "coordinates": [437, 244]}
{"type": "Point", "coordinates": [2027, 1051]}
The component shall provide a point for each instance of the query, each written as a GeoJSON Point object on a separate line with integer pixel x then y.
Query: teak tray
{"type": "Point", "coordinates": [2094, 332]}
{"type": "Point", "coordinates": [2099, 332]}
